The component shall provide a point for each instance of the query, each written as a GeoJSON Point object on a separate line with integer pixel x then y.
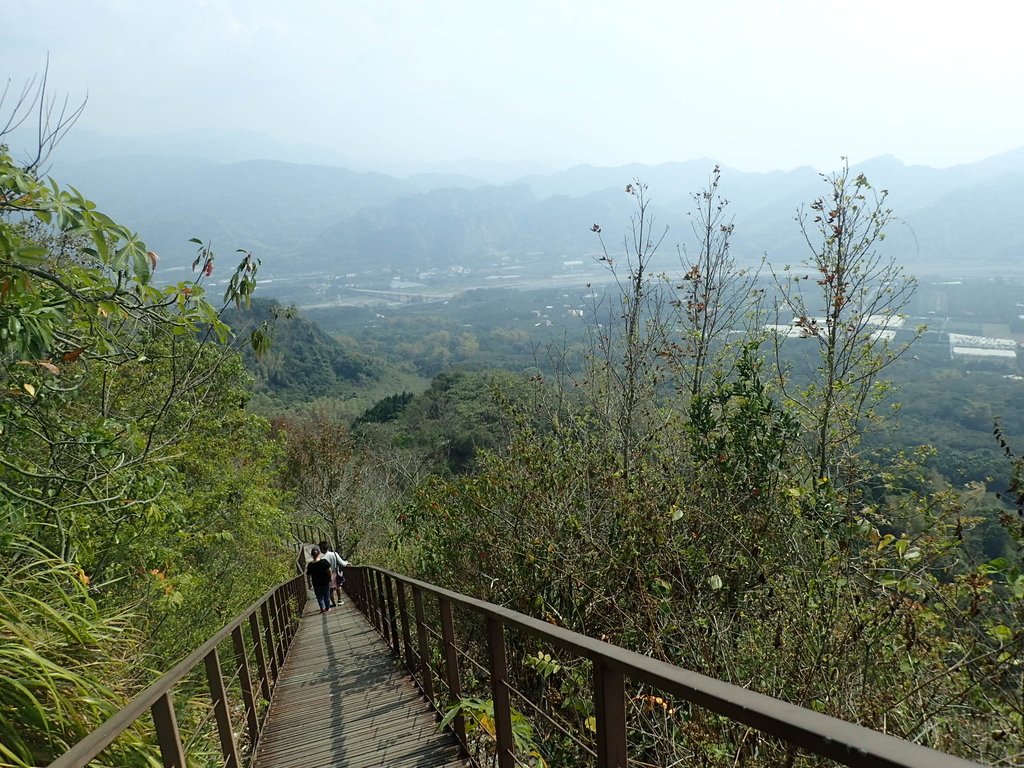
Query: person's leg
{"type": "Point", "coordinates": [322, 598]}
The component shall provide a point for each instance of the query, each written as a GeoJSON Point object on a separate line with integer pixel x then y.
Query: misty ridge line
{"type": "Point", "coordinates": [307, 217]}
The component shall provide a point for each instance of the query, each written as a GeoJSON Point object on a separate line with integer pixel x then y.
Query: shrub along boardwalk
{"type": "Point", "coordinates": [343, 700]}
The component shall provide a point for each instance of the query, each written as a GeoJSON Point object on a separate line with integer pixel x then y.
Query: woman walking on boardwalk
{"type": "Point", "coordinates": [337, 575]}
{"type": "Point", "coordinates": [318, 571]}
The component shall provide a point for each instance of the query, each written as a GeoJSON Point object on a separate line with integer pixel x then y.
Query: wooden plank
{"type": "Point", "coordinates": [344, 699]}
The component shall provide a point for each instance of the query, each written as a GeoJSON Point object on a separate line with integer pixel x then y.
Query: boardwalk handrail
{"type": "Point", "coordinates": [272, 622]}
{"type": "Point", "coordinates": [306, 533]}
{"type": "Point", "coordinates": [382, 596]}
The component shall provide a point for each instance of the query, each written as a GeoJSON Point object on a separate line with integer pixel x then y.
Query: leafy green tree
{"type": "Point", "coordinates": [385, 409]}
{"type": "Point", "coordinates": [131, 479]}
{"type": "Point", "coordinates": [325, 470]}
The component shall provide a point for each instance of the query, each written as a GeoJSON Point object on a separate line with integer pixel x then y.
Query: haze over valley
{"type": "Point", "coordinates": [327, 234]}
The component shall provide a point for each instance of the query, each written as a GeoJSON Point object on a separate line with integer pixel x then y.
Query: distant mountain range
{"type": "Point", "coordinates": [322, 218]}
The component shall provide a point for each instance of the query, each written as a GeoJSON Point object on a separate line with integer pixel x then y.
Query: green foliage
{"type": "Point", "coordinates": [460, 414]}
{"type": "Point", "coordinates": [385, 409]}
{"type": "Point", "coordinates": [740, 433]}
{"type": "Point", "coordinates": [58, 676]}
{"type": "Point", "coordinates": [855, 293]}
{"type": "Point", "coordinates": [478, 330]}
{"type": "Point", "coordinates": [704, 533]}
{"type": "Point", "coordinates": [659, 492]}
{"type": "Point", "coordinates": [480, 731]}
{"type": "Point", "coordinates": [719, 559]}
{"type": "Point", "coordinates": [132, 482]}
{"type": "Point", "coordinates": [326, 471]}
{"type": "Point", "coordinates": [293, 360]}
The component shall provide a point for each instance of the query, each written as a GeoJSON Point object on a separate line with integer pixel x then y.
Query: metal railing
{"type": "Point", "coordinates": [431, 652]}
{"type": "Point", "coordinates": [307, 533]}
{"type": "Point", "coordinates": [271, 625]}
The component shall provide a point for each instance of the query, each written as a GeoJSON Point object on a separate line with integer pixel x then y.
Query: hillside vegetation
{"type": "Point", "coordinates": [676, 479]}
{"type": "Point", "coordinates": [302, 362]}
{"type": "Point", "coordinates": [137, 508]}
{"type": "Point", "coordinates": [726, 502]}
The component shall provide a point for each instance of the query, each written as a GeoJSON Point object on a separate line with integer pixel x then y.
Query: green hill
{"type": "Point", "coordinates": [303, 363]}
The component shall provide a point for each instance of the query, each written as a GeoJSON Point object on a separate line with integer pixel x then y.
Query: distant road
{"type": "Point", "coordinates": [361, 297]}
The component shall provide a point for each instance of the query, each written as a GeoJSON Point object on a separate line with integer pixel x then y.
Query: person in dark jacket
{"type": "Point", "coordinates": [318, 571]}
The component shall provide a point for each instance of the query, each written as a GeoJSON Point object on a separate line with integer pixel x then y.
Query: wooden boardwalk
{"type": "Point", "coordinates": [344, 700]}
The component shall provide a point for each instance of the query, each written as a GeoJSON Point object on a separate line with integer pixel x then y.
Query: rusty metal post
{"type": "Point", "coordinates": [289, 625]}
{"type": "Point", "coordinates": [284, 608]}
{"type": "Point", "coordinates": [403, 613]}
{"type": "Point", "coordinates": [268, 636]}
{"type": "Point", "coordinates": [357, 584]}
{"type": "Point", "coordinates": [167, 734]}
{"type": "Point", "coordinates": [294, 611]}
{"type": "Point", "coordinates": [426, 673]}
{"type": "Point", "coordinates": [499, 693]}
{"type": "Point", "coordinates": [451, 663]}
{"type": "Point", "coordinates": [293, 615]}
{"type": "Point", "coordinates": [382, 608]}
{"type": "Point", "coordinates": [275, 601]}
{"type": "Point", "coordinates": [261, 659]}
{"type": "Point", "coordinates": [289, 617]}
{"type": "Point", "coordinates": [382, 604]}
{"type": "Point", "coordinates": [245, 679]}
{"type": "Point", "coordinates": [371, 592]}
{"type": "Point", "coordinates": [610, 713]}
{"type": "Point", "coordinates": [352, 588]}
{"type": "Point", "coordinates": [276, 633]}
{"type": "Point", "coordinates": [220, 710]}
{"type": "Point", "coordinates": [392, 615]}
{"type": "Point", "coordinates": [385, 614]}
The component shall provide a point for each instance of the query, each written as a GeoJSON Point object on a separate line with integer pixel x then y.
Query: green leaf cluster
{"type": "Point", "coordinates": [137, 500]}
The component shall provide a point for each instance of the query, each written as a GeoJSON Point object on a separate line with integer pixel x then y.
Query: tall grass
{"type": "Point", "coordinates": [65, 662]}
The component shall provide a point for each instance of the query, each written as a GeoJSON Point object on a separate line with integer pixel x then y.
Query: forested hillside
{"type": "Point", "coordinates": [695, 331]}
{"type": "Point", "coordinates": [302, 362]}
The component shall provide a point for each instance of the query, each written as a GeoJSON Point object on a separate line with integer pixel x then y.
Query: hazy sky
{"type": "Point", "coordinates": [757, 84]}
